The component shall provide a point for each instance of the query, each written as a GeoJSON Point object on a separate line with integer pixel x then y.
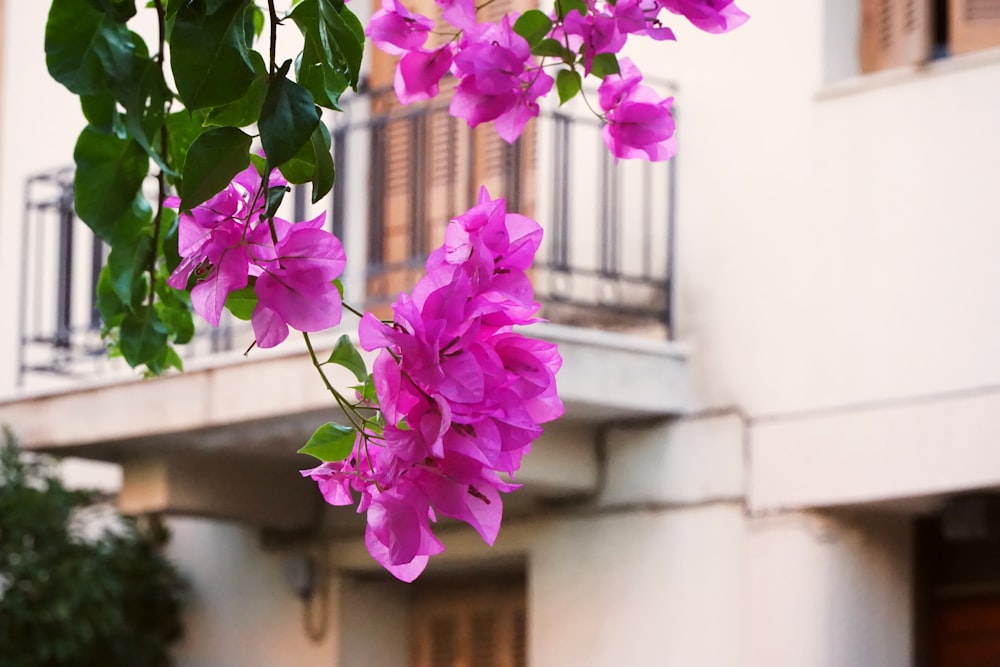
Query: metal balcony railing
{"type": "Point", "coordinates": [403, 172]}
{"type": "Point", "coordinates": [606, 259]}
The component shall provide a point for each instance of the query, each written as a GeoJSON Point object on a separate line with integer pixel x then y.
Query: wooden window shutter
{"type": "Point", "coordinates": [973, 25]}
{"type": "Point", "coordinates": [479, 624]}
{"type": "Point", "coordinates": [894, 33]}
{"type": "Point", "coordinates": [427, 167]}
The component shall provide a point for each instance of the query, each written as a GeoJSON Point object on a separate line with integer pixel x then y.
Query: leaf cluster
{"type": "Point", "coordinates": [186, 113]}
{"type": "Point", "coordinates": [535, 26]}
{"type": "Point", "coordinates": [69, 599]}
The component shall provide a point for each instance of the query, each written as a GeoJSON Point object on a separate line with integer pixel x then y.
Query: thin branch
{"type": "Point", "coordinates": [161, 178]}
{"type": "Point", "coordinates": [274, 35]}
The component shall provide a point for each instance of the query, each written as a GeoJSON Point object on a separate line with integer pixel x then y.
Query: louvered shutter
{"type": "Point", "coordinates": [427, 167]}
{"type": "Point", "coordinates": [973, 25]}
{"type": "Point", "coordinates": [469, 625]}
{"type": "Point", "coordinates": [894, 33]}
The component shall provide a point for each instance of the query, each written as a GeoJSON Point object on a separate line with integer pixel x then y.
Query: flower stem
{"type": "Point", "coordinates": [357, 421]}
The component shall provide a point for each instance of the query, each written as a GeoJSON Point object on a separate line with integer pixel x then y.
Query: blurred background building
{"type": "Point", "coordinates": [782, 367]}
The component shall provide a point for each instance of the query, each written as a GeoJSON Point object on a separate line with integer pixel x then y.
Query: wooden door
{"type": "Point", "coordinates": [965, 632]}
{"type": "Point", "coordinates": [480, 624]}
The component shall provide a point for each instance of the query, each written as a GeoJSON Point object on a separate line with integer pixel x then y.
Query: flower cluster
{"type": "Point", "coordinates": [461, 394]}
{"type": "Point", "coordinates": [501, 76]}
{"type": "Point", "coordinates": [226, 244]}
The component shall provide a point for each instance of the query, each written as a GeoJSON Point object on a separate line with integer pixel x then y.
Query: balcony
{"type": "Point", "coordinates": [206, 441]}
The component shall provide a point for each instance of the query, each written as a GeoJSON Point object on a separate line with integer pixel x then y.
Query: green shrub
{"type": "Point", "coordinates": [80, 584]}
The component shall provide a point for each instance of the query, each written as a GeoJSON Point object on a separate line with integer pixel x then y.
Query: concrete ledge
{"type": "Point", "coordinates": [609, 376]}
{"type": "Point", "coordinates": [908, 451]}
{"type": "Point", "coordinates": [233, 425]}
{"type": "Point", "coordinates": [262, 495]}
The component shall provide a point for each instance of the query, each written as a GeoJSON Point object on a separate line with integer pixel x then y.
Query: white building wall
{"type": "Point", "coordinates": [242, 611]}
{"type": "Point", "coordinates": [39, 123]}
{"type": "Point", "coordinates": [836, 246]}
{"type": "Point", "coordinates": [828, 590]}
{"type": "Point", "coordinates": [644, 588]}
{"type": "Point", "coordinates": [835, 241]}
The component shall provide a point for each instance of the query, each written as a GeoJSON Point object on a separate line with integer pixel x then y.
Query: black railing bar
{"type": "Point", "coordinates": [614, 209]}
{"type": "Point", "coordinates": [64, 286]}
{"type": "Point", "coordinates": [600, 274]}
{"type": "Point", "coordinates": [647, 220]}
{"type": "Point", "coordinates": [40, 240]}
{"type": "Point", "coordinates": [560, 200]}
{"type": "Point", "coordinates": [604, 248]}
{"type": "Point", "coordinates": [451, 125]}
{"type": "Point", "coordinates": [651, 314]}
{"type": "Point", "coordinates": [668, 315]}
{"type": "Point", "coordinates": [337, 205]}
{"type": "Point", "coordinates": [471, 187]}
{"type": "Point", "coordinates": [298, 202]}
{"type": "Point", "coordinates": [96, 264]}
{"type": "Point", "coordinates": [22, 301]}
{"type": "Point", "coordinates": [376, 204]}
{"type": "Point", "coordinates": [418, 160]}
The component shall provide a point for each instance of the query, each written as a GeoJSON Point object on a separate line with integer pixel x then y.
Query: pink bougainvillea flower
{"type": "Point", "coordinates": [396, 30]}
{"type": "Point", "coordinates": [639, 17]}
{"type": "Point", "coordinates": [599, 33]}
{"type": "Point", "coordinates": [459, 13]}
{"type": "Point", "coordinates": [418, 74]}
{"type": "Point", "coordinates": [495, 79]}
{"type": "Point", "coordinates": [638, 121]}
{"type": "Point", "coordinates": [462, 395]}
{"type": "Point", "coordinates": [714, 16]}
{"type": "Point", "coordinates": [226, 245]}
{"type": "Point", "coordinates": [511, 123]}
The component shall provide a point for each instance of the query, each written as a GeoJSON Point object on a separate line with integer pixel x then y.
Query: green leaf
{"type": "Point", "coordinates": [170, 229]}
{"type": "Point", "coordinates": [568, 84]}
{"type": "Point", "coordinates": [85, 49]}
{"type": "Point", "coordinates": [119, 10]}
{"type": "Point", "coordinates": [325, 173]}
{"type": "Point", "coordinates": [212, 161]}
{"type": "Point", "coordinates": [246, 110]}
{"type": "Point", "coordinates": [534, 26]}
{"type": "Point", "coordinates": [143, 336]}
{"type": "Point", "coordinates": [275, 195]}
{"type": "Point", "coordinates": [367, 390]}
{"type": "Point", "coordinates": [144, 116]}
{"type": "Point", "coordinates": [316, 73]}
{"type": "Point", "coordinates": [302, 166]}
{"type": "Point", "coordinates": [177, 319]}
{"type": "Point", "coordinates": [108, 183]}
{"type": "Point", "coordinates": [332, 51]}
{"type": "Point", "coordinates": [312, 163]}
{"type": "Point", "coordinates": [100, 111]}
{"type": "Point", "coordinates": [330, 442]}
{"type": "Point", "coordinates": [126, 265]}
{"type": "Point", "coordinates": [564, 7]}
{"type": "Point", "coordinates": [604, 64]}
{"type": "Point", "coordinates": [210, 56]}
{"type": "Point", "coordinates": [109, 305]}
{"type": "Point", "coordinates": [183, 127]}
{"type": "Point", "coordinates": [287, 118]}
{"type": "Point", "coordinates": [346, 355]}
{"type": "Point", "coordinates": [553, 48]}
{"type": "Point", "coordinates": [242, 302]}
{"type": "Point", "coordinates": [258, 20]}
{"type": "Point", "coordinates": [165, 360]}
